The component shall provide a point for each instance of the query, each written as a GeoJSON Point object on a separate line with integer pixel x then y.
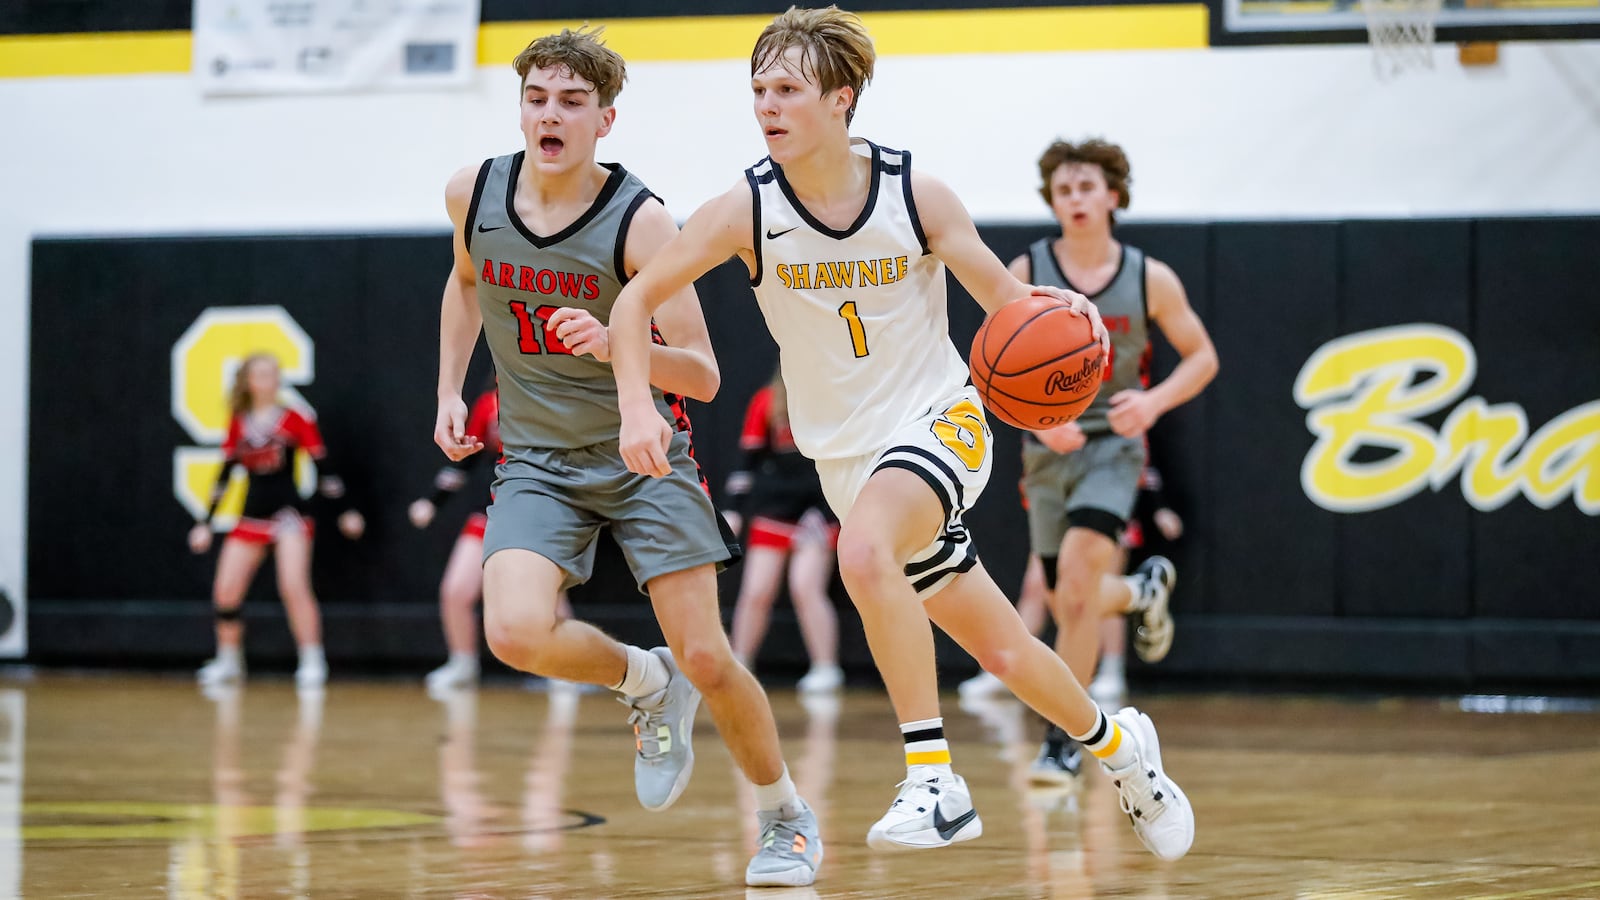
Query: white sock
{"type": "Point", "coordinates": [1136, 597]}
{"type": "Point", "coordinates": [772, 797]}
{"type": "Point", "coordinates": [1108, 742]}
{"type": "Point", "coordinates": [646, 674]}
{"type": "Point", "coordinates": [230, 655]}
{"type": "Point", "coordinates": [312, 653]}
{"type": "Point", "coordinates": [464, 660]}
{"type": "Point", "coordinates": [926, 745]}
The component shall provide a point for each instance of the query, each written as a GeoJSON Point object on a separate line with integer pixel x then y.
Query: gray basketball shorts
{"type": "Point", "coordinates": [1102, 475]}
{"type": "Point", "coordinates": [554, 502]}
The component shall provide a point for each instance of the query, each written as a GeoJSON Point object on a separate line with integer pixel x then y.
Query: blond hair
{"type": "Point", "coordinates": [835, 49]}
{"type": "Point", "coordinates": [1109, 157]}
{"type": "Point", "coordinates": [239, 396]}
{"type": "Point", "coordinates": [583, 54]}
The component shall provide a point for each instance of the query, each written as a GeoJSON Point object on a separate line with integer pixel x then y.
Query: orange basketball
{"type": "Point", "coordinates": [1035, 363]}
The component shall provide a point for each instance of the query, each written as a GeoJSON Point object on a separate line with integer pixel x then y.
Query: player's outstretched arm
{"type": "Point", "coordinates": [460, 321]}
{"type": "Point", "coordinates": [686, 364]}
{"type": "Point", "coordinates": [719, 229]}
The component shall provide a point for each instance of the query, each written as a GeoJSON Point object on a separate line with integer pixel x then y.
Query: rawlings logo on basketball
{"type": "Point", "coordinates": [1036, 363]}
{"type": "Point", "coordinates": [1370, 392]}
{"type": "Point", "coordinates": [1072, 382]}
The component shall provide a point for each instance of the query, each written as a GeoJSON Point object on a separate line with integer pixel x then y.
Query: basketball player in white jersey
{"type": "Point", "coordinates": [846, 249]}
{"type": "Point", "coordinates": [1082, 479]}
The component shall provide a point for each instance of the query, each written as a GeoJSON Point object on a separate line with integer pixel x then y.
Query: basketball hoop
{"type": "Point", "coordinates": [1401, 33]}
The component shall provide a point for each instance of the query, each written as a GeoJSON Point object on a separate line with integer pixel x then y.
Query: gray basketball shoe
{"type": "Point", "coordinates": [791, 848]}
{"type": "Point", "coordinates": [663, 726]}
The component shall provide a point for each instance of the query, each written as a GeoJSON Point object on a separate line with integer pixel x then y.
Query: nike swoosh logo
{"type": "Point", "coordinates": [773, 237]}
{"type": "Point", "coordinates": [483, 230]}
{"type": "Point", "coordinates": [948, 829]}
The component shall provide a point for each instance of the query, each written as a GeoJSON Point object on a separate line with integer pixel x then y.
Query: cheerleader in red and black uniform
{"type": "Point", "coordinates": [780, 495]}
{"type": "Point", "coordinates": [263, 436]}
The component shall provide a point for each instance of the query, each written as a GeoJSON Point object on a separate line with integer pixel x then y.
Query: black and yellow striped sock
{"type": "Point", "coordinates": [925, 744]}
{"type": "Point", "coordinates": [1108, 742]}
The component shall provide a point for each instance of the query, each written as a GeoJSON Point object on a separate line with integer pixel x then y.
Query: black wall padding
{"type": "Point", "coordinates": [1271, 586]}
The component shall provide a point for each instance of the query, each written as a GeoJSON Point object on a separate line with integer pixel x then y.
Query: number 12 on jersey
{"type": "Point", "coordinates": [529, 328]}
{"type": "Point", "coordinates": [858, 332]}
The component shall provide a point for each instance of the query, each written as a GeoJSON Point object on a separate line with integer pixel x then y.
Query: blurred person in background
{"type": "Point", "coordinates": [780, 498]}
{"type": "Point", "coordinates": [263, 438]}
{"type": "Point", "coordinates": [1081, 478]}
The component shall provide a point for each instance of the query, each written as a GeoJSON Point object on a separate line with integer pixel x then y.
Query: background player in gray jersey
{"type": "Point", "coordinates": [1081, 479]}
{"type": "Point", "coordinates": [544, 240]}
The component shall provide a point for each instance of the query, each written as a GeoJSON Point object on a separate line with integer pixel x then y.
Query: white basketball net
{"type": "Point", "coordinates": [1402, 34]}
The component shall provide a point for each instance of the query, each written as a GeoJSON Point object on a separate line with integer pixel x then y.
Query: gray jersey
{"type": "Point", "coordinates": [550, 398]}
{"type": "Point", "coordinates": [1123, 308]}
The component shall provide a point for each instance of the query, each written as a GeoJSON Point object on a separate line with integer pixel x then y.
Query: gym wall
{"type": "Point", "coordinates": [1395, 478]}
{"type": "Point", "coordinates": [114, 141]}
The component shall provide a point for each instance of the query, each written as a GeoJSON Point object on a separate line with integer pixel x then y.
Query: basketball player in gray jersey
{"type": "Point", "coordinates": [1081, 479]}
{"type": "Point", "coordinates": [545, 239]}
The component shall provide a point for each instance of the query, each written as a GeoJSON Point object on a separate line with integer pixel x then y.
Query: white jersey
{"type": "Point", "coordinates": [859, 315]}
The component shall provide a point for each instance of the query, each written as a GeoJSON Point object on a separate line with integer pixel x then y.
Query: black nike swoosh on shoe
{"type": "Point", "coordinates": [772, 237]}
{"type": "Point", "coordinates": [948, 828]}
{"type": "Point", "coordinates": [483, 230]}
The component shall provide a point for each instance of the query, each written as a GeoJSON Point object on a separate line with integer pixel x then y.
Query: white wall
{"type": "Point", "coordinates": [1248, 133]}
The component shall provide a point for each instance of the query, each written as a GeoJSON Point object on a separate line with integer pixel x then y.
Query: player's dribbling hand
{"type": "Point", "coordinates": [352, 524]}
{"type": "Point", "coordinates": [450, 429]}
{"type": "Point", "coordinates": [1062, 438]}
{"type": "Point", "coordinates": [643, 440]}
{"type": "Point", "coordinates": [421, 513]}
{"type": "Point", "coordinates": [200, 538]}
{"type": "Point", "coordinates": [1083, 306]}
{"type": "Point", "coordinates": [1132, 413]}
{"type": "Point", "coordinates": [581, 333]}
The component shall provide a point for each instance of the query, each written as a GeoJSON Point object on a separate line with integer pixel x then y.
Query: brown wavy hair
{"type": "Point", "coordinates": [835, 49]}
{"type": "Point", "coordinates": [583, 54]}
{"type": "Point", "coordinates": [1095, 152]}
{"type": "Point", "coordinates": [239, 395]}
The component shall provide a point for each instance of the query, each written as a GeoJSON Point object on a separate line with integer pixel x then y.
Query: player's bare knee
{"type": "Point", "coordinates": [862, 563]}
{"type": "Point", "coordinates": [518, 640]}
{"type": "Point", "coordinates": [708, 664]}
{"type": "Point", "coordinates": [1074, 589]}
{"type": "Point", "coordinates": [998, 659]}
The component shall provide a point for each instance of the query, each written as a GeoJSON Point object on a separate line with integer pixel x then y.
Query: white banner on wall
{"type": "Point", "coordinates": [316, 46]}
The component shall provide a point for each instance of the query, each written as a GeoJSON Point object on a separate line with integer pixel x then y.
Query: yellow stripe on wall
{"type": "Point", "coordinates": [933, 33]}
{"type": "Point", "coordinates": [117, 53]}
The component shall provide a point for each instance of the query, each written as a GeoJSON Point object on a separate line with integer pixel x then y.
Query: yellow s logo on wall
{"type": "Point", "coordinates": [1367, 391]}
{"type": "Point", "coordinates": [203, 362]}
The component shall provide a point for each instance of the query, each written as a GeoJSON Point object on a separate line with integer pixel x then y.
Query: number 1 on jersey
{"type": "Point", "coordinates": [858, 332]}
